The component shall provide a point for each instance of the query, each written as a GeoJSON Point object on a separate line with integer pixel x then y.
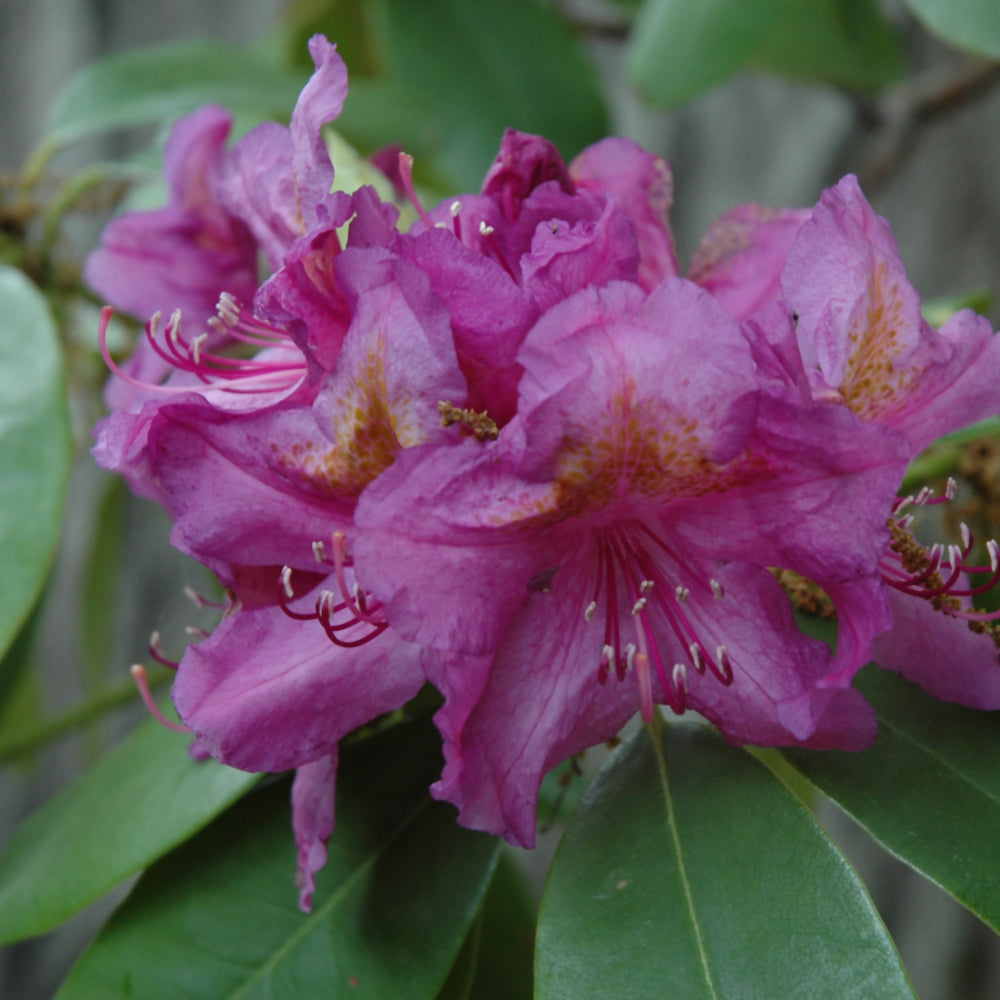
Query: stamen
{"type": "Point", "coordinates": [682, 594]}
{"type": "Point", "coordinates": [485, 230]}
{"type": "Point", "coordinates": [638, 606]}
{"type": "Point", "coordinates": [680, 688]}
{"type": "Point", "coordinates": [966, 536]}
{"type": "Point", "coordinates": [138, 672]}
{"type": "Point", "coordinates": [319, 552]}
{"type": "Point", "coordinates": [994, 550]}
{"type": "Point", "coordinates": [456, 221]}
{"type": "Point", "coordinates": [406, 178]}
{"type": "Point", "coordinates": [195, 632]}
{"type": "Point", "coordinates": [590, 611]}
{"type": "Point", "coordinates": [196, 346]}
{"type": "Point", "coordinates": [202, 602]}
{"type": "Point", "coordinates": [951, 489]}
{"type": "Point", "coordinates": [725, 668]}
{"type": "Point", "coordinates": [354, 603]}
{"type": "Point", "coordinates": [646, 586]}
{"type": "Point", "coordinates": [286, 581]}
{"type": "Point", "coordinates": [156, 651]}
{"type": "Point", "coordinates": [697, 659]}
{"type": "Point", "coordinates": [717, 591]}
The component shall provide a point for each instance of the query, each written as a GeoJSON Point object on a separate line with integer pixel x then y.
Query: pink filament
{"type": "Point", "coordinates": [142, 683]}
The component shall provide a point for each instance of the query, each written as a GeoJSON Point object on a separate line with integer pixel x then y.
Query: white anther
{"type": "Point", "coordinates": [319, 551]}
{"type": "Point", "coordinates": [196, 346]}
{"type": "Point", "coordinates": [327, 603]}
{"type": "Point", "coordinates": [905, 522]}
{"type": "Point", "coordinates": [680, 677]}
{"type": "Point", "coordinates": [154, 324]}
{"type": "Point", "coordinates": [485, 230]}
{"type": "Point", "coordinates": [638, 606]}
{"type": "Point", "coordinates": [646, 586]}
{"type": "Point", "coordinates": [154, 643]}
{"type": "Point", "coordinates": [174, 326]}
{"type": "Point", "coordinates": [455, 207]}
{"type": "Point", "coordinates": [608, 653]}
{"type": "Point", "coordinates": [721, 655]}
{"type": "Point", "coordinates": [682, 594]}
{"type": "Point", "coordinates": [994, 550]}
{"type": "Point", "coordinates": [716, 589]}
{"type": "Point", "coordinates": [228, 309]}
{"type": "Point", "coordinates": [923, 496]}
{"type": "Point", "coordinates": [954, 556]}
{"type": "Point", "coordinates": [216, 324]}
{"type": "Point", "coordinates": [966, 536]}
{"type": "Point", "coordinates": [286, 581]}
{"type": "Point", "coordinates": [934, 554]}
{"type": "Point", "coordinates": [630, 652]}
{"type": "Point", "coordinates": [194, 597]}
{"type": "Point", "coordinates": [440, 225]}
{"type": "Point", "coordinates": [590, 611]}
{"type": "Point", "coordinates": [696, 658]}
{"type": "Point", "coordinates": [951, 488]}
{"type": "Point", "coordinates": [196, 633]}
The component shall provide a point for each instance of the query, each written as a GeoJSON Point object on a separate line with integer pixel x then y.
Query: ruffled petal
{"type": "Point", "coordinates": [313, 793]}
{"type": "Point", "coordinates": [268, 693]}
{"type": "Point", "coordinates": [741, 256]}
{"type": "Point", "coordinates": [249, 489]}
{"type": "Point", "coordinates": [642, 185]}
{"type": "Point", "coordinates": [940, 653]}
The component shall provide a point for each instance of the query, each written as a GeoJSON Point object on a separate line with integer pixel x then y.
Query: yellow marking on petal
{"type": "Point", "coordinates": [873, 380]}
{"type": "Point", "coordinates": [642, 448]}
{"type": "Point", "coordinates": [369, 427]}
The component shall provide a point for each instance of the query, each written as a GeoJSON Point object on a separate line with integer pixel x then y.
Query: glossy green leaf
{"type": "Point", "coordinates": [34, 447]}
{"type": "Point", "coordinates": [690, 871]}
{"type": "Point", "coordinates": [456, 74]}
{"type": "Point", "coordinates": [139, 802]}
{"type": "Point", "coordinates": [498, 955]}
{"type": "Point", "coordinates": [928, 790]}
{"type": "Point", "coordinates": [158, 84]}
{"type": "Point", "coordinates": [679, 48]}
{"type": "Point", "coordinates": [218, 917]}
{"type": "Point", "coordinates": [967, 24]}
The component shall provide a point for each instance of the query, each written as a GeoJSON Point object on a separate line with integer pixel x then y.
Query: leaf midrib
{"type": "Point", "coordinates": [661, 764]}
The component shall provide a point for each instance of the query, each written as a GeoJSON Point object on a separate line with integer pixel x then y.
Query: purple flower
{"type": "Point", "coordinates": [865, 347]}
{"type": "Point", "coordinates": [611, 548]}
{"type": "Point", "coordinates": [265, 497]}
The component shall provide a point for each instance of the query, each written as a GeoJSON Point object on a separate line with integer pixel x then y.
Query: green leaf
{"type": "Point", "coordinates": [218, 917]}
{"type": "Point", "coordinates": [34, 447]}
{"type": "Point", "coordinates": [679, 48]}
{"type": "Point", "coordinates": [967, 24]}
{"type": "Point", "coordinates": [498, 955]}
{"type": "Point", "coordinates": [457, 74]}
{"type": "Point", "coordinates": [690, 871]}
{"type": "Point", "coordinates": [928, 790]}
{"type": "Point", "coordinates": [158, 84]}
{"type": "Point", "coordinates": [139, 802]}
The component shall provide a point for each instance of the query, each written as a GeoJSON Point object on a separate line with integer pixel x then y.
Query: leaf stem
{"type": "Point", "coordinates": [30, 738]}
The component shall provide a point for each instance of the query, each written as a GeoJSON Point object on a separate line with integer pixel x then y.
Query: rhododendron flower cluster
{"type": "Point", "coordinates": [512, 452]}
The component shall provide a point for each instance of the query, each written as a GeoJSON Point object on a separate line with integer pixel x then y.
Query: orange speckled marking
{"type": "Point", "coordinates": [369, 428]}
{"type": "Point", "coordinates": [643, 448]}
{"type": "Point", "coordinates": [872, 382]}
